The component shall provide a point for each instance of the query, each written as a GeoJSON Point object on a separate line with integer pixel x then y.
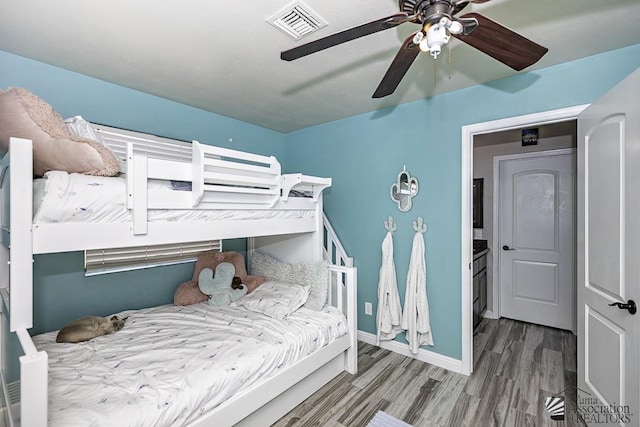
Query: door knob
{"type": "Point", "coordinates": [630, 305]}
{"type": "Point", "coordinates": [507, 248]}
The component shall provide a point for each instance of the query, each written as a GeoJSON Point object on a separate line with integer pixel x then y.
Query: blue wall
{"type": "Point", "coordinates": [62, 293]}
{"type": "Point", "coordinates": [365, 153]}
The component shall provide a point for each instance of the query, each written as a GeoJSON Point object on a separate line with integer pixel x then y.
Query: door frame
{"type": "Point", "coordinates": [466, 225]}
{"type": "Point", "coordinates": [497, 291]}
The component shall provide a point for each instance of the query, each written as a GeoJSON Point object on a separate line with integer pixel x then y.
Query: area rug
{"type": "Point", "coordinates": [382, 419]}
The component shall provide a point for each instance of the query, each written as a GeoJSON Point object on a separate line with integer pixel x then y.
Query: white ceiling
{"type": "Point", "coordinates": [225, 58]}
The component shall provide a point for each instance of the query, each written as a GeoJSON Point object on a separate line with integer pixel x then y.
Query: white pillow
{"type": "Point", "coordinates": [315, 275]}
{"type": "Point", "coordinates": [275, 299]}
{"type": "Point", "coordinates": [78, 126]}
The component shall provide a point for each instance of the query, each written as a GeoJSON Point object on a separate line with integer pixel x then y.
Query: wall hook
{"type": "Point", "coordinates": [390, 225]}
{"type": "Point", "coordinates": [419, 225]}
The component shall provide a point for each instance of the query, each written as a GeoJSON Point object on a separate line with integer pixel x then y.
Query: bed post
{"type": "Point", "coordinates": [21, 248]}
{"type": "Point", "coordinates": [34, 364]}
{"type": "Point", "coordinates": [197, 177]}
{"type": "Point", "coordinates": [352, 316]}
{"type": "Point", "coordinates": [34, 373]}
{"type": "Point", "coordinates": [139, 194]}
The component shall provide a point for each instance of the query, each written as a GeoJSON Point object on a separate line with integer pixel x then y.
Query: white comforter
{"type": "Point", "coordinates": [170, 364]}
{"type": "Point", "coordinates": [75, 197]}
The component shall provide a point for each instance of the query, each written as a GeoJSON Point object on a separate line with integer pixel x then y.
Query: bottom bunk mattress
{"type": "Point", "coordinates": [171, 364]}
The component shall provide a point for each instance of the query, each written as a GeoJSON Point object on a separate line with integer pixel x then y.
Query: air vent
{"type": "Point", "coordinates": [297, 20]}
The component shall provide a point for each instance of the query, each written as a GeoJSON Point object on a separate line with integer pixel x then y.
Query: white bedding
{"type": "Point", "coordinates": [170, 364]}
{"type": "Point", "coordinates": [64, 197]}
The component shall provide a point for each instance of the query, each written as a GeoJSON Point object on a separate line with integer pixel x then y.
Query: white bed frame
{"type": "Point", "coordinates": [221, 179]}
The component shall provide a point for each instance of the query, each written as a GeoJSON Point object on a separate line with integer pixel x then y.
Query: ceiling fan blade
{"type": "Point", "coordinates": [461, 4]}
{"type": "Point", "coordinates": [501, 43]}
{"type": "Point", "coordinates": [346, 35]}
{"type": "Point", "coordinates": [398, 68]}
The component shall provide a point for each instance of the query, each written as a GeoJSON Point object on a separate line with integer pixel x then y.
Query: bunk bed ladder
{"type": "Point", "coordinates": [333, 250]}
{"type": "Point", "coordinates": [342, 272]}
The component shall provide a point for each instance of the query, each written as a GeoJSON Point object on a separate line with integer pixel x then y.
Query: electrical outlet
{"type": "Point", "coordinates": [368, 308]}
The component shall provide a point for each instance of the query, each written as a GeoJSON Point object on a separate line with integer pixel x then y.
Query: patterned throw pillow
{"type": "Point", "coordinates": [312, 274]}
{"type": "Point", "coordinates": [275, 299]}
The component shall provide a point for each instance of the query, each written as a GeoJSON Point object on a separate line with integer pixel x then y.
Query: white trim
{"type": "Point", "coordinates": [468, 132]}
{"type": "Point", "coordinates": [489, 314]}
{"type": "Point", "coordinates": [423, 355]}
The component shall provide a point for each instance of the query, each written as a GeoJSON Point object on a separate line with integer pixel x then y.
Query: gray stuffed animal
{"type": "Point", "coordinates": [218, 286]}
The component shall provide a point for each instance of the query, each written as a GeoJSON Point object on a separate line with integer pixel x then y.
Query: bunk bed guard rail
{"type": "Point", "coordinates": [213, 177]}
{"type": "Point", "coordinates": [240, 179]}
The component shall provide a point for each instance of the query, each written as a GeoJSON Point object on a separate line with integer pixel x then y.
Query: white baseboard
{"type": "Point", "coordinates": [489, 314]}
{"type": "Point", "coordinates": [423, 355]}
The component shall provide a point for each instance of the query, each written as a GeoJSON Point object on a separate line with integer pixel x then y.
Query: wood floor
{"type": "Point", "coordinates": [517, 366]}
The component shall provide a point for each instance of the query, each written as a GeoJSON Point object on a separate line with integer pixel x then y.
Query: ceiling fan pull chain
{"type": "Point", "coordinates": [449, 60]}
{"type": "Point", "coordinates": [435, 72]}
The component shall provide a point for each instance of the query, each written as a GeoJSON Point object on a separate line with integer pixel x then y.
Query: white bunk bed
{"type": "Point", "coordinates": [220, 179]}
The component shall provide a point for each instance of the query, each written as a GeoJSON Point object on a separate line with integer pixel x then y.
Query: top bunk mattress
{"type": "Point", "coordinates": [62, 197]}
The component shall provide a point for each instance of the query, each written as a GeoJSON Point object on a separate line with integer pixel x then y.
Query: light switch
{"type": "Point", "coordinates": [368, 308]}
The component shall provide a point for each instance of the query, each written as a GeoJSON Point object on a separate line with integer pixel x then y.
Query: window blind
{"type": "Point", "coordinates": [99, 261]}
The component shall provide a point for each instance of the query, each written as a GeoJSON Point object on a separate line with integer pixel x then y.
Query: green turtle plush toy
{"type": "Point", "coordinates": [218, 286]}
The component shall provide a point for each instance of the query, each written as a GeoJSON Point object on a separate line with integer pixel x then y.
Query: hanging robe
{"type": "Point", "coordinates": [415, 318]}
{"type": "Point", "coordinates": [389, 314]}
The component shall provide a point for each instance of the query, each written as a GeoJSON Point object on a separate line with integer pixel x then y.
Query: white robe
{"type": "Point", "coordinates": [389, 314]}
{"type": "Point", "coordinates": [415, 318]}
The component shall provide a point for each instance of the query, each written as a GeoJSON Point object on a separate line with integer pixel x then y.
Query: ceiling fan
{"type": "Point", "coordinates": [438, 23]}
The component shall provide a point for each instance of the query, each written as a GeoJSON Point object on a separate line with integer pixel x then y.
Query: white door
{"type": "Point", "coordinates": [536, 246]}
{"type": "Point", "coordinates": [609, 256]}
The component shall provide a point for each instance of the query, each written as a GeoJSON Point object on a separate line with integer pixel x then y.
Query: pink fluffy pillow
{"type": "Point", "coordinates": [24, 115]}
{"type": "Point", "coordinates": [189, 293]}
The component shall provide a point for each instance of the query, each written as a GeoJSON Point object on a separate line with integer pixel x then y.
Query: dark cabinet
{"type": "Point", "coordinates": [479, 286]}
{"type": "Point", "coordinates": [482, 279]}
{"type": "Point", "coordinates": [478, 200]}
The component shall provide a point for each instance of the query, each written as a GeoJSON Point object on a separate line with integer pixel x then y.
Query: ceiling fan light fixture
{"type": "Point", "coordinates": [456, 27]}
{"type": "Point", "coordinates": [437, 36]}
{"type": "Point", "coordinates": [424, 45]}
{"type": "Point", "coordinates": [418, 37]}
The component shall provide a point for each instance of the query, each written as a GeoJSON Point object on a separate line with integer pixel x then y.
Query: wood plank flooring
{"type": "Point", "coordinates": [517, 366]}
